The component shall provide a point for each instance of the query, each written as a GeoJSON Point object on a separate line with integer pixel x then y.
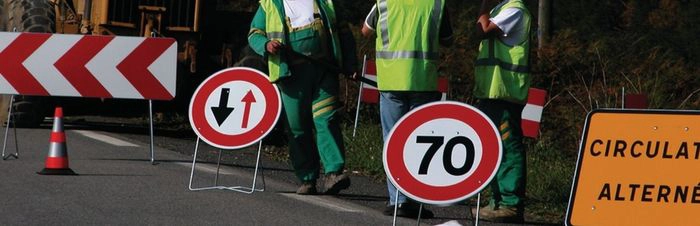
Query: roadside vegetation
{"type": "Point", "coordinates": [596, 49]}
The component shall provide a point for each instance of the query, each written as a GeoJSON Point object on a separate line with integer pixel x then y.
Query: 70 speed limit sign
{"type": "Point", "coordinates": [442, 152]}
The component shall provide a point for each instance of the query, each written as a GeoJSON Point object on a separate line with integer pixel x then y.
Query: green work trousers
{"type": "Point", "coordinates": [508, 186]}
{"type": "Point", "coordinates": [310, 103]}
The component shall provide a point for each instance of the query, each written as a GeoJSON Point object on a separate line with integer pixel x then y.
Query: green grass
{"type": "Point", "coordinates": [364, 151]}
{"type": "Point", "coordinates": [549, 178]}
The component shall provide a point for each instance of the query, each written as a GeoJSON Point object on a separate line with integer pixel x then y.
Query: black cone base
{"type": "Point", "coordinates": [46, 171]}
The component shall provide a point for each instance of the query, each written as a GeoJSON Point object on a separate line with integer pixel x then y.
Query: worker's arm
{"type": "Point", "coordinates": [368, 27]}
{"type": "Point", "coordinates": [257, 37]}
{"type": "Point", "coordinates": [485, 28]}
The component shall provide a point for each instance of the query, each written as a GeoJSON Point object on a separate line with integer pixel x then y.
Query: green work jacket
{"type": "Point", "coordinates": [270, 23]}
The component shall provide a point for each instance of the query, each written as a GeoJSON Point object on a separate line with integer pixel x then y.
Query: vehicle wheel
{"type": "Point", "coordinates": [3, 16]}
{"type": "Point", "coordinates": [28, 113]}
{"type": "Point", "coordinates": [29, 16]}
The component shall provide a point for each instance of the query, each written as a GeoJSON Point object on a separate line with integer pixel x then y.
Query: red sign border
{"type": "Point", "coordinates": [441, 195]}
{"type": "Point", "coordinates": [197, 108]}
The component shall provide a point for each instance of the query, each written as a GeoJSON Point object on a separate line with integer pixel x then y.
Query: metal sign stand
{"type": "Point", "coordinates": [150, 114]}
{"type": "Point", "coordinates": [359, 96]}
{"type": "Point", "coordinates": [16, 154]}
{"type": "Point", "coordinates": [478, 205]}
{"type": "Point", "coordinates": [7, 128]}
{"type": "Point", "coordinates": [242, 189]}
{"type": "Point", "coordinates": [396, 209]}
{"type": "Point", "coordinates": [150, 117]}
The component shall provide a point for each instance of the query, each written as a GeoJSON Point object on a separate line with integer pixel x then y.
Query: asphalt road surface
{"type": "Point", "coordinates": [117, 185]}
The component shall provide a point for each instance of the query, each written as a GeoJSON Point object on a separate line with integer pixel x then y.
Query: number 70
{"type": "Point", "coordinates": [436, 143]}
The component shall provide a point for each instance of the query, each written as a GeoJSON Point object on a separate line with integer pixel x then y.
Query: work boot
{"type": "Point", "coordinates": [307, 188]}
{"type": "Point", "coordinates": [408, 210]}
{"type": "Point", "coordinates": [500, 214]}
{"type": "Point", "coordinates": [334, 182]}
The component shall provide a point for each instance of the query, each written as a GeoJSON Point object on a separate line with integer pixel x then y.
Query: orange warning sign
{"type": "Point", "coordinates": [637, 168]}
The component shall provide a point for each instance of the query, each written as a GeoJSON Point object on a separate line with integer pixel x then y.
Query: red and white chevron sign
{"type": "Point", "coordinates": [43, 64]}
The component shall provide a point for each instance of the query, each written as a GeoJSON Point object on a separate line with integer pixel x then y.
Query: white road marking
{"type": "Point", "coordinates": [105, 138]}
{"type": "Point", "coordinates": [322, 202]}
{"type": "Point", "coordinates": [208, 168]}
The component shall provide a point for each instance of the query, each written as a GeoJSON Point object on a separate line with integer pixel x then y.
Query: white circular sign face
{"type": "Point", "coordinates": [437, 173]}
{"type": "Point", "coordinates": [234, 108]}
{"type": "Point", "coordinates": [242, 99]}
{"type": "Point", "coordinates": [442, 152]}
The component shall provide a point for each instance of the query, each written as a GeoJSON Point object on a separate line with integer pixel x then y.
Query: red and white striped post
{"type": "Point", "coordinates": [532, 113]}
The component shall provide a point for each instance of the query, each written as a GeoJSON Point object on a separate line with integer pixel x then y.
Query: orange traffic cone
{"type": "Point", "coordinates": [57, 160]}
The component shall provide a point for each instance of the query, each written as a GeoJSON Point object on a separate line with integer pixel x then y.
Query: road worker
{"type": "Point", "coordinates": [309, 91]}
{"type": "Point", "coordinates": [502, 81]}
{"type": "Point", "coordinates": [407, 69]}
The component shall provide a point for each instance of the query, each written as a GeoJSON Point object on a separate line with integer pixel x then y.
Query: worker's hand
{"type": "Point", "coordinates": [273, 46]}
{"type": "Point", "coordinates": [353, 75]}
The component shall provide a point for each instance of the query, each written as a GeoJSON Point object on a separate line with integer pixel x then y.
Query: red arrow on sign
{"type": "Point", "coordinates": [135, 67]}
{"type": "Point", "coordinates": [11, 64]}
{"type": "Point", "coordinates": [72, 66]}
{"type": "Point", "coordinates": [248, 99]}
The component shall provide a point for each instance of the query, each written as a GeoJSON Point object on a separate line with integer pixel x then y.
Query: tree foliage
{"type": "Point", "coordinates": [596, 49]}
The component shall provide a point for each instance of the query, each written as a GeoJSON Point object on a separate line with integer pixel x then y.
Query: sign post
{"type": "Point", "coordinates": [233, 109]}
{"type": "Point", "coordinates": [442, 153]}
{"type": "Point", "coordinates": [637, 167]}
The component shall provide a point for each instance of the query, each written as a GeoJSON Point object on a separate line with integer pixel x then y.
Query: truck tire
{"type": "Point", "coordinates": [3, 16]}
{"type": "Point", "coordinates": [30, 16]}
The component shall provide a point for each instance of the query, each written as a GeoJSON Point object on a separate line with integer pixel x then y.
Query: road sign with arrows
{"type": "Point", "coordinates": [43, 64]}
{"type": "Point", "coordinates": [234, 108]}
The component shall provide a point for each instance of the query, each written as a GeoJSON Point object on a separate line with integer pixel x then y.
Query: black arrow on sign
{"type": "Point", "coordinates": [222, 111]}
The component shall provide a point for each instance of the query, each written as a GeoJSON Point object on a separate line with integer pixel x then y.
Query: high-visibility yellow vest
{"type": "Point", "coordinates": [503, 71]}
{"type": "Point", "coordinates": [407, 44]}
{"type": "Point", "coordinates": [276, 29]}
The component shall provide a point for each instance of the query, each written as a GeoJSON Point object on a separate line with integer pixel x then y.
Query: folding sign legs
{"type": "Point", "coordinates": [7, 128]}
{"type": "Point", "coordinates": [242, 189]}
{"type": "Point", "coordinates": [478, 205]}
{"type": "Point", "coordinates": [150, 114]}
{"type": "Point", "coordinates": [396, 209]}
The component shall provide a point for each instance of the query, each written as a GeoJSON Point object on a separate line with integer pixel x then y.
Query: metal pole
{"type": "Point", "coordinates": [258, 165]}
{"type": "Point", "coordinates": [218, 167]}
{"type": "Point", "coordinates": [623, 97]}
{"type": "Point", "coordinates": [150, 116]}
{"type": "Point", "coordinates": [7, 131]}
{"type": "Point", "coordinates": [359, 96]}
{"type": "Point", "coordinates": [478, 204]}
{"type": "Point", "coordinates": [543, 21]}
{"type": "Point", "coordinates": [87, 11]}
{"type": "Point", "coordinates": [194, 161]}
{"type": "Point", "coordinates": [85, 27]}
{"type": "Point", "coordinates": [396, 206]}
{"type": "Point", "coordinates": [420, 213]}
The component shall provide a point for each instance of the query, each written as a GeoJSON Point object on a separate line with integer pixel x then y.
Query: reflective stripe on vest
{"type": "Point", "coordinates": [275, 30]}
{"type": "Point", "coordinates": [407, 45]}
{"type": "Point", "coordinates": [503, 71]}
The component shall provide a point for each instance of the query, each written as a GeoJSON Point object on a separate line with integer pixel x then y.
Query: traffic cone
{"type": "Point", "coordinates": [57, 160]}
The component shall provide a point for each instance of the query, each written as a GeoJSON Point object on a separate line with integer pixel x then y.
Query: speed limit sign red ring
{"type": "Point", "coordinates": [442, 152]}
